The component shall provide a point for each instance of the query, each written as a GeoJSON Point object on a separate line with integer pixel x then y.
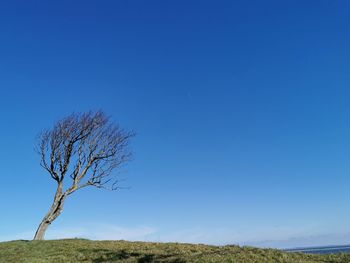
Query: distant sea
{"type": "Point", "coordinates": [322, 250]}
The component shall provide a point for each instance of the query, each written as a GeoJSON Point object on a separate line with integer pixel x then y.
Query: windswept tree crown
{"type": "Point", "coordinates": [86, 147]}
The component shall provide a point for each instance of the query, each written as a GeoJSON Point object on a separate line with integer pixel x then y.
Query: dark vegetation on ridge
{"type": "Point", "coordinates": [81, 250]}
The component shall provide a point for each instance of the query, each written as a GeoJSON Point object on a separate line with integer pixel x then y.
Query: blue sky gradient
{"type": "Point", "coordinates": [241, 109]}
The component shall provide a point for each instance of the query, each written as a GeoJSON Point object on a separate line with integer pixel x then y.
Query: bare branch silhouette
{"type": "Point", "coordinates": [81, 150]}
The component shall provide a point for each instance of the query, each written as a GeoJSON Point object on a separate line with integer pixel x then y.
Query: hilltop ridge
{"type": "Point", "coordinates": [83, 250]}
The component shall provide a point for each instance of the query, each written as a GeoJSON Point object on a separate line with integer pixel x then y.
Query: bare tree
{"type": "Point", "coordinates": [81, 150]}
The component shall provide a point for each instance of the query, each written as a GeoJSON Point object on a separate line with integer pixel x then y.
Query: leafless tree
{"type": "Point", "coordinates": [81, 150]}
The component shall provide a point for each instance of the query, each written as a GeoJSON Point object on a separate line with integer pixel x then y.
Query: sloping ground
{"type": "Point", "coordinates": [79, 250]}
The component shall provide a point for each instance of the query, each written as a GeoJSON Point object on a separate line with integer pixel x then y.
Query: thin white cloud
{"type": "Point", "coordinates": [223, 236]}
{"type": "Point", "coordinates": [277, 237]}
{"type": "Point", "coordinates": [90, 231]}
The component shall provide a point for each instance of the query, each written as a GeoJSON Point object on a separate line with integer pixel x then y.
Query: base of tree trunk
{"type": "Point", "coordinates": [40, 233]}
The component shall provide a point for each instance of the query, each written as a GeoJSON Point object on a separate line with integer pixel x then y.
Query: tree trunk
{"type": "Point", "coordinates": [54, 212]}
{"type": "Point", "coordinates": [40, 232]}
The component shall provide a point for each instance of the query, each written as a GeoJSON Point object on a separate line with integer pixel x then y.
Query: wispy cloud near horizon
{"type": "Point", "coordinates": [278, 237]}
{"type": "Point", "coordinates": [90, 231]}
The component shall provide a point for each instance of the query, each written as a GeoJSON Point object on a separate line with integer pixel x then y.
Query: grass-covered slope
{"type": "Point", "coordinates": [78, 250]}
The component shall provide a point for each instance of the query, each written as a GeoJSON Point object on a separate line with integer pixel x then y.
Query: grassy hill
{"type": "Point", "coordinates": [80, 250]}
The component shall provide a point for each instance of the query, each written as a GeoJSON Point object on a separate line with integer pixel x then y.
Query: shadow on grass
{"type": "Point", "coordinates": [160, 258]}
{"type": "Point", "coordinates": [105, 255]}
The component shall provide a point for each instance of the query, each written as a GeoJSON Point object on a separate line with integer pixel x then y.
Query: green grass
{"type": "Point", "coordinates": [80, 250]}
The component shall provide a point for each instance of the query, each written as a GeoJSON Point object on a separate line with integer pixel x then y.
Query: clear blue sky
{"type": "Point", "coordinates": [241, 109]}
